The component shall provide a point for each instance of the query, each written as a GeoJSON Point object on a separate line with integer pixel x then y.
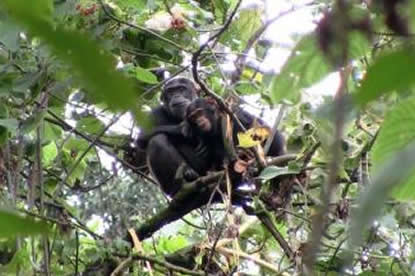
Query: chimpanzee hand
{"type": "Point", "coordinates": [189, 174]}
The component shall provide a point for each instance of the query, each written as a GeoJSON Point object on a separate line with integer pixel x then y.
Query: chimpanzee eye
{"type": "Point", "coordinates": [196, 114]}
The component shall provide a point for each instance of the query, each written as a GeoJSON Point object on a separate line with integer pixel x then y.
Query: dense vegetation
{"type": "Point", "coordinates": [78, 76]}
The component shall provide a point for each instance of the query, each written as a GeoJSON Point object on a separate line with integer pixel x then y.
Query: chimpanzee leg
{"type": "Point", "coordinates": [164, 161]}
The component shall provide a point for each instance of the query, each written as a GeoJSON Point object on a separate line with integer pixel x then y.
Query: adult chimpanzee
{"type": "Point", "coordinates": [169, 154]}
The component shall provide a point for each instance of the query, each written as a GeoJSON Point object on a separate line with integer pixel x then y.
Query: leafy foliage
{"type": "Point", "coordinates": [76, 79]}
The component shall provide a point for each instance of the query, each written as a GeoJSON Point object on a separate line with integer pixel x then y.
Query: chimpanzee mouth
{"type": "Point", "coordinates": [203, 124]}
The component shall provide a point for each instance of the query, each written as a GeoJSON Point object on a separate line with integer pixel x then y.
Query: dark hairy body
{"type": "Point", "coordinates": [178, 147]}
{"type": "Point", "coordinates": [201, 133]}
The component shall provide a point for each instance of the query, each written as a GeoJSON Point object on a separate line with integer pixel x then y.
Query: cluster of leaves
{"type": "Point", "coordinates": [75, 74]}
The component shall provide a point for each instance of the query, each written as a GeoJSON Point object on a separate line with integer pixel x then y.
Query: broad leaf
{"type": "Point", "coordinates": [90, 124]}
{"type": "Point", "coordinates": [390, 72]}
{"type": "Point", "coordinates": [243, 27]}
{"type": "Point", "coordinates": [93, 65]}
{"type": "Point", "coordinates": [9, 35]}
{"type": "Point", "coordinates": [398, 131]}
{"type": "Point", "coordinates": [13, 224]}
{"type": "Point", "coordinates": [145, 76]}
{"type": "Point", "coordinates": [274, 171]}
{"type": "Point", "coordinates": [49, 153]}
{"type": "Point", "coordinates": [10, 124]}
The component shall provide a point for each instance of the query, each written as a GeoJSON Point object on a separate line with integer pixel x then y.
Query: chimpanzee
{"type": "Point", "coordinates": [167, 154]}
{"type": "Point", "coordinates": [201, 130]}
{"type": "Point", "coordinates": [176, 95]}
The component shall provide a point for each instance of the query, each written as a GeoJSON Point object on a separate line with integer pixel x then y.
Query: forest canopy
{"type": "Point", "coordinates": [77, 81]}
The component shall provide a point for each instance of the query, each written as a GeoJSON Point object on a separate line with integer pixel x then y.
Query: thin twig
{"type": "Point", "coordinates": [195, 59]}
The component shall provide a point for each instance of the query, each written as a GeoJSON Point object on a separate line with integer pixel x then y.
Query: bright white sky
{"type": "Point", "coordinates": [281, 32]}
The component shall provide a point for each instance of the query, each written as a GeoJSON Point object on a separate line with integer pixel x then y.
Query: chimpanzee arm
{"type": "Point", "coordinates": [181, 131]}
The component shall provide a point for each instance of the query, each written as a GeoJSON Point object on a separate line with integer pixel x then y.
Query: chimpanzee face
{"type": "Point", "coordinates": [202, 115]}
{"type": "Point", "coordinates": [177, 95]}
{"type": "Point", "coordinates": [199, 118]}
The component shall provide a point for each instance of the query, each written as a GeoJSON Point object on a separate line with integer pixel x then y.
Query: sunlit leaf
{"type": "Point", "coordinates": [253, 136]}
{"type": "Point", "coordinates": [13, 224]}
{"type": "Point", "coordinates": [52, 132]}
{"type": "Point", "coordinates": [243, 27]}
{"type": "Point", "coordinates": [145, 76]}
{"type": "Point", "coordinates": [398, 130]}
{"type": "Point", "coordinates": [246, 88]}
{"type": "Point", "coordinates": [390, 72]}
{"type": "Point", "coordinates": [220, 8]}
{"type": "Point", "coordinates": [90, 124]}
{"type": "Point", "coordinates": [358, 45]}
{"type": "Point", "coordinates": [49, 153]}
{"type": "Point", "coordinates": [248, 22]}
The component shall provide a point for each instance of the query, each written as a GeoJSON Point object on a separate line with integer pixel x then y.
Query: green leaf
{"type": "Point", "coordinates": [274, 171]}
{"type": "Point", "coordinates": [248, 22]}
{"type": "Point", "coordinates": [3, 135]}
{"type": "Point", "coordinates": [4, 112]}
{"type": "Point", "coordinates": [246, 88]}
{"type": "Point", "coordinates": [90, 124]}
{"type": "Point", "coordinates": [145, 76]}
{"type": "Point", "coordinates": [243, 27]}
{"type": "Point", "coordinates": [9, 35]}
{"type": "Point", "coordinates": [6, 82]}
{"type": "Point", "coordinates": [304, 67]}
{"type": "Point", "coordinates": [398, 130]}
{"type": "Point", "coordinates": [220, 8]}
{"type": "Point", "coordinates": [75, 144]}
{"type": "Point", "coordinates": [358, 45]}
{"type": "Point", "coordinates": [52, 132]}
{"type": "Point", "coordinates": [13, 225]}
{"type": "Point", "coordinates": [10, 124]}
{"type": "Point", "coordinates": [390, 72]}
{"type": "Point", "coordinates": [49, 153]}
{"type": "Point", "coordinates": [19, 263]}
{"type": "Point", "coordinates": [412, 11]}
{"type": "Point", "coordinates": [93, 65]}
